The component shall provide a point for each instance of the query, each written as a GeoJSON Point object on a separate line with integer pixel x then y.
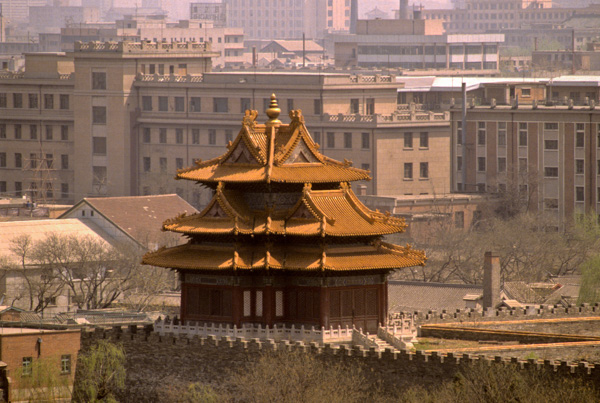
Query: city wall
{"type": "Point", "coordinates": [153, 360]}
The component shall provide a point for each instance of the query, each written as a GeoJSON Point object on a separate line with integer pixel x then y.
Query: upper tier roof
{"type": "Point", "coordinates": [273, 152]}
{"type": "Point", "coordinates": [316, 213]}
{"type": "Point", "coordinates": [316, 258]}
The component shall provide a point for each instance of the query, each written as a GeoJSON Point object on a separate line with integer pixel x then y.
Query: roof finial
{"type": "Point", "coordinates": [273, 112]}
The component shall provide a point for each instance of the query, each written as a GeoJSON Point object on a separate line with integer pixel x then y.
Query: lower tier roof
{"type": "Point", "coordinates": [378, 256]}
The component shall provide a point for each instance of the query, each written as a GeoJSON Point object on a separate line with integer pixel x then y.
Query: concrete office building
{"type": "Point", "coordinates": [142, 111]}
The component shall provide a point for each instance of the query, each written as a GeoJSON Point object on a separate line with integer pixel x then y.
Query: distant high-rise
{"type": "Point", "coordinates": [17, 11]}
{"type": "Point", "coordinates": [279, 19]}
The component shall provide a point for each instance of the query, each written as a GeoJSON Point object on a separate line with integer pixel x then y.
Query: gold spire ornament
{"type": "Point", "coordinates": [273, 112]}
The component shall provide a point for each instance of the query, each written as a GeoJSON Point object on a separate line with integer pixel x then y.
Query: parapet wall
{"type": "Point", "coordinates": [152, 359]}
{"type": "Point", "coordinates": [471, 315]}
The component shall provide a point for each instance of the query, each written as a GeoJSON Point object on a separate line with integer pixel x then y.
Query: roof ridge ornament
{"type": "Point", "coordinates": [249, 118]}
{"type": "Point", "coordinates": [273, 112]}
{"type": "Point", "coordinates": [296, 116]}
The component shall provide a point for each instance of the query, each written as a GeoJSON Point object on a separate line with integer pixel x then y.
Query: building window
{"type": "Point", "coordinates": [366, 141]}
{"type": "Point", "coordinates": [2, 187]}
{"type": "Point", "coordinates": [501, 133]}
{"type": "Point", "coordinates": [551, 172]}
{"type": "Point", "coordinates": [18, 160]}
{"type": "Point", "coordinates": [481, 164]}
{"type": "Point", "coordinates": [459, 164]}
{"type": "Point", "coordinates": [551, 144]}
{"type": "Point", "coordinates": [162, 135]}
{"type": "Point", "coordinates": [317, 137]}
{"type": "Point", "coordinates": [147, 164]}
{"type": "Point", "coordinates": [579, 135]}
{"type": "Point", "coordinates": [2, 131]}
{"type": "Point", "coordinates": [146, 103]}
{"type": "Point", "coordinates": [64, 190]}
{"type": "Point", "coordinates": [179, 136]}
{"type": "Point", "coordinates": [195, 105]}
{"type": "Point", "coordinates": [245, 105]}
{"type": "Point", "coordinates": [408, 140]}
{"type": "Point", "coordinates": [162, 164]}
{"type": "Point", "coordinates": [522, 165]}
{"type": "Point", "coordinates": [370, 106]}
{"type": "Point", "coordinates": [525, 92]}
{"type": "Point", "coordinates": [424, 140]}
{"type": "Point", "coordinates": [99, 145]}
{"type": "Point", "coordinates": [290, 104]}
{"type": "Point", "coordinates": [266, 103]}
{"type": "Point", "coordinates": [178, 163]}
{"type": "Point", "coordinates": [318, 107]}
{"type": "Point", "coordinates": [502, 164]}
{"type": "Point", "coordinates": [49, 132]}
{"type": "Point", "coordinates": [64, 101]}
{"type": "Point", "coordinates": [50, 194]}
{"type": "Point", "coordinates": [64, 133]}
{"type": "Point", "coordinates": [146, 135]}
{"type": "Point", "coordinates": [17, 132]}
{"type": "Point", "coordinates": [163, 104]}
{"type": "Point", "coordinates": [33, 101]}
{"type": "Point", "coordinates": [18, 189]}
{"type": "Point", "coordinates": [366, 167]}
{"type": "Point", "coordinates": [523, 134]}
{"type": "Point", "coordinates": [330, 140]}
{"type": "Point", "coordinates": [32, 132]}
{"type": "Point", "coordinates": [481, 133]}
{"type": "Point", "coordinates": [98, 80]}
{"type": "Point", "coordinates": [354, 105]}
{"type": "Point", "coordinates": [3, 100]}
{"type": "Point", "coordinates": [220, 105]}
{"type": "Point", "coordinates": [459, 219]}
{"type": "Point", "coordinates": [579, 194]}
{"type": "Point", "coordinates": [347, 140]}
{"type": "Point", "coordinates": [424, 170]}
{"type": "Point", "coordinates": [179, 104]}
{"type": "Point", "coordinates": [228, 136]}
{"type": "Point", "coordinates": [195, 136]}
{"type": "Point", "coordinates": [48, 101]}
{"type": "Point", "coordinates": [212, 137]}
{"type": "Point", "coordinates": [17, 100]}
{"type": "Point", "coordinates": [550, 126]}
{"type": "Point", "coordinates": [579, 167]}
{"type": "Point", "coordinates": [27, 366]}
{"type": "Point", "coordinates": [99, 115]}
{"type": "Point", "coordinates": [459, 139]}
{"type": "Point", "coordinates": [408, 170]}
{"type": "Point", "coordinates": [33, 160]}
{"type": "Point", "coordinates": [64, 161]}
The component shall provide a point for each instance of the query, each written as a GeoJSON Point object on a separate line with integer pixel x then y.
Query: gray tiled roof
{"type": "Point", "coordinates": [421, 296]}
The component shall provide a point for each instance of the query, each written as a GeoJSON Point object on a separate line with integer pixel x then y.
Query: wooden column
{"type": "Point", "coordinates": [324, 314]}
{"type": "Point", "coordinates": [268, 305]}
{"type": "Point", "coordinates": [237, 305]}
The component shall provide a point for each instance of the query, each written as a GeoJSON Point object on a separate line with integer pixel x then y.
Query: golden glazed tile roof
{"type": "Point", "coordinates": [273, 153]}
{"type": "Point", "coordinates": [316, 213]}
{"type": "Point", "coordinates": [377, 256]}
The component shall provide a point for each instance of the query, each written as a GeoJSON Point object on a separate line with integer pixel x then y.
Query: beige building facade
{"type": "Point", "coordinates": [142, 111]}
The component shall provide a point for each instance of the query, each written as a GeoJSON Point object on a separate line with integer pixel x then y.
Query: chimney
{"type": "Point", "coordinates": [491, 280]}
{"type": "Point", "coordinates": [353, 15]}
{"type": "Point", "coordinates": [403, 12]}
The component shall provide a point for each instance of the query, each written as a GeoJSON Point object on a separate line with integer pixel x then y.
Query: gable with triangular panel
{"type": "Point", "coordinates": [301, 154]}
{"type": "Point", "coordinates": [215, 211]}
{"type": "Point", "coordinates": [241, 155]}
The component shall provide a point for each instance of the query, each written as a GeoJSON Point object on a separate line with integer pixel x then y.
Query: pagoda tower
{"type": "Point", "coordinates": [284, 240]}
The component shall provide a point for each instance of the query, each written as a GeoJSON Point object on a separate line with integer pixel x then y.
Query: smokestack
{"type": "Point", "coordinates": [353, 15]}
{"type": "Point", "coordinates": [403, 12]}
{"type": "Point", "coordinates": [491, 280]}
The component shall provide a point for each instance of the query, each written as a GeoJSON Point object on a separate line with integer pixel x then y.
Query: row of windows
{"type": "Point", "coordinates": [33, 191]}
{"type": "Point", "coordinates": [35, 161]}
{"type": "Point", "coordinates": [162, 163]}
{"type": "Point", "coordinates": [423, 140]}
{"type": "Point", "coordinates": [33, 100]}
{"type": "Point", "coordinates": [348, 142]}
{"type": "Point", "coordinates": [179, 138]}
{"type": "Point", "coordinates": [523, 135]}
{"type": "Point", "coordinates": [17, 131]}
{"type": "Point", "coordinates": [423, 170]}
{"type": "Point", "coordinates": [65, 365]}
{"type": "Point", "coordinates": [221, 105]}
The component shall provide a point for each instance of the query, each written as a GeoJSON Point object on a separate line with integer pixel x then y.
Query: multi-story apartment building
{"type": "Point", "coordinates": [551, 154]}
{"type": "Point", "coordinates": [215, 12]}
{"type": "Point", "coordinates": [415, 44]}
{"type": "Point", "coordinates": [281, 19]}
{"type": "Point", "coordinates": [88, 93]}
{"type": "Point", "coordinates": [17, 11]}
{"type": "Point", "coordinates": [141, 111]}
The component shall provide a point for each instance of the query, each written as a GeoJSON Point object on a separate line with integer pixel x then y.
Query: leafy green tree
{"type": "Point", "coordinates": [100, 373]}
